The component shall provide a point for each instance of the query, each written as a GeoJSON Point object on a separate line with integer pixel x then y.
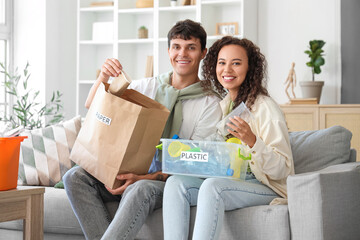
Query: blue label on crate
{"type": "Point", "coordinates": [194, 156]}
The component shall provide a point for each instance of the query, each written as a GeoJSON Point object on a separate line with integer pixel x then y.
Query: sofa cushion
{"type": "Point", "coordinates": [44, 156]}
{"type": "Point", "coordinates": [260, 222]}
{"type": "Point", "coordinates": [315, 150]}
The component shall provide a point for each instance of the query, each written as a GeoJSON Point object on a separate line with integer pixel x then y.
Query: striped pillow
{"type": "Point", "coordinates": [44, 155]}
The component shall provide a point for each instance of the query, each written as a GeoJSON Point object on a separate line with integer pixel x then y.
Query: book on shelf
{"type": "Point", "coordinates": [149, 66]}
{"type": "Point", "coordinates": [303, 101]}
{"type": "Point", "coordinates": [101, 4]}
{"type": "Point", "coordinates": [186, 2]}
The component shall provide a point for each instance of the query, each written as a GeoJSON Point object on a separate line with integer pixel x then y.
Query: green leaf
{"type": "Point", "coordinates": [315, 54]}
{"type": "Point", "coordinates": [12, 93]}
{"type": "Point", "coordinates": [26, 81]}
{"type": "Point", "coordinates": [28, 107]}
{"type": "Point", "coordinates": [7, 74]}
{"type": "Point", "coordinates": [319, 62]}
{"type": "Point", "coordinates": [321, 43]}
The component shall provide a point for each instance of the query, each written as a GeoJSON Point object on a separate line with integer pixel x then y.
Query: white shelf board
{"type": "Point", "coordinates": [86, 81]}
{"type": "Point", "coordinates": [215, 37]}
{"type": "Point", "coordinates": [219, 2]}
{"type": "Point", "coordinates": [136, 10]}
{"type": "Point", "coordinates": [209, 37]}
{"type": "Point", "coordinates": [190, 8]}
{"type": "Point", "coordinates": [91, 42]}
{"type": "Point", "coordinates": [136, 40]}
{"type": "Point", "coordinates": [97, 9]}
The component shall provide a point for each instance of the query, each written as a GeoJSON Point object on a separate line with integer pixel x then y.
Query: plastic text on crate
{"type": "Point", "coordinates": [194, 156]}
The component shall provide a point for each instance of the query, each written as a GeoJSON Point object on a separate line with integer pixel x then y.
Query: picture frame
{"type": "Point", "coordinates": [230, 28]}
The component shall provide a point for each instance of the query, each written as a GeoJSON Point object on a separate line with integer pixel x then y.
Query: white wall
{"type": "Point", "coordinates": [285, 28]}
{"type": "Point", "coordinates": [29, 41]}
{"type": "Point", "coordinates": [45, 36]}
{"type": "Point", "coordinates": [61, 52]}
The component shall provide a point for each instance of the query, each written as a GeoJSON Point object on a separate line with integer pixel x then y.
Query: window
{"type": "Point", "coordinates": [6, 42]}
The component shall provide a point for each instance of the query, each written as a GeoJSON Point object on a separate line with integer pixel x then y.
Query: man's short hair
{"type": "Point", "coordinates": [185, 30]}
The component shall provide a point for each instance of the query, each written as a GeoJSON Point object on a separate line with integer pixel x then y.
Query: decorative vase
{"type": "Point", "coordinates": [311, 89]}
{"type": "Point", "coordinates": [173, 3]}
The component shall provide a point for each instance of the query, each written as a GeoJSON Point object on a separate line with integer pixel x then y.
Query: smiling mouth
{"type": "Point", "coordinates": [183, 61]}
{"type": "Point", "coordinates": [228, 79]}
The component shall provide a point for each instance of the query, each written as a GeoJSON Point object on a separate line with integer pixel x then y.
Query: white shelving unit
{"type": "Point", "coordinates": [123, 43]}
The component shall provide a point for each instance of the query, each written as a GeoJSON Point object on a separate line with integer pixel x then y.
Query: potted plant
{"type": "Point", "coordinates": [143, 32]}
{"type": "Point", "coordinates": [27, 112]}
{"type": "Point", "coordinates": [312, 89]}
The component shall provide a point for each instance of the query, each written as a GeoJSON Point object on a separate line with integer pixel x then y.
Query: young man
{"type": "Point", "coordinates": [194, 114]}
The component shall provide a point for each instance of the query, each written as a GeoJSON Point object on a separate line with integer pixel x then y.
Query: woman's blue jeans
{"type": "Point", "coordinates": [213, 196]}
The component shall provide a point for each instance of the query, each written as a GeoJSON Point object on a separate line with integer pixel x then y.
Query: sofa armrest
{"type": "Point", "coordinates": [352, 155]}
{"type": "Point", "coordinates": [325, 204]}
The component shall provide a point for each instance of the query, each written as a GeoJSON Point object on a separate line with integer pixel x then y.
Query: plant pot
{"type": "Point", "coordinates": [311, 89]}
{"type": "Point", "coordinates": [9, 161]}
{"type": "Point", "coordinates": [142, 33]}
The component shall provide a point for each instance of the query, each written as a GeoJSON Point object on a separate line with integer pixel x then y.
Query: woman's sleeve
{"type": "Point", "coordinates": [272, 151]}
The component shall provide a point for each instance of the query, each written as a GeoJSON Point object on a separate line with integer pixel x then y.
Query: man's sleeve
{"type": "Point", "coordinates": [211, 115]}
{"type": "Point", "coordinates": [146, 86]}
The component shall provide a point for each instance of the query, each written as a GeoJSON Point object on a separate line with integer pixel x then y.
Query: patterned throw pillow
{"type": "Point", "coordinates": [44, 155]}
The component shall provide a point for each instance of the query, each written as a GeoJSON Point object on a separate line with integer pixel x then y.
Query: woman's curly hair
{"type": "Point", "coordinates": [255, 80]}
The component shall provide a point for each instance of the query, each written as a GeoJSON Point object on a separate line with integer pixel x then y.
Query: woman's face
{"type": "Point", "coordinates": [232, 66]}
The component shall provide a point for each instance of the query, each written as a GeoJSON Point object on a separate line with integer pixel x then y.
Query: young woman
{"type": "Point", "coordinates": [237, 69]}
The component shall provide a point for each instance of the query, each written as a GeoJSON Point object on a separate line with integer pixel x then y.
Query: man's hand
{"type": "Point", "coordinates": [110, 68]}
{"type": "Point", "coordinates": [130, 178]}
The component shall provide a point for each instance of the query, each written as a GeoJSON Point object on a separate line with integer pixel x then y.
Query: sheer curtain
{"type": "Point", "coordinates": [6, 45]}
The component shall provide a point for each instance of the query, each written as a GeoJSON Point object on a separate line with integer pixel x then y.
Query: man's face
{"type": "Point", "coordinates": [185, 55]}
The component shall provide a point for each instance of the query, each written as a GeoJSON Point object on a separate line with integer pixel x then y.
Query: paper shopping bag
{"type": "Point", "coordinates": [119, 135]}
{"type": "Point", "coordinates": [119, 84]}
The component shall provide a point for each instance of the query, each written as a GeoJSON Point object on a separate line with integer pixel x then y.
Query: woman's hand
{"type": "Point", "coordinates": [240, 129]}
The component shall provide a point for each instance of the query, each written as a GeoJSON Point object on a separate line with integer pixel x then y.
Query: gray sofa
{"type": "Point", "coordinates": [323, 200]}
